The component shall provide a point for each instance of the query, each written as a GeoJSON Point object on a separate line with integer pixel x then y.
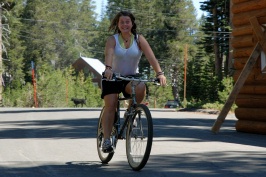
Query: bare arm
{"type": "Point", "coordinates": [145, 47]}
{"type": "Point", "coordinates": [109, 52]}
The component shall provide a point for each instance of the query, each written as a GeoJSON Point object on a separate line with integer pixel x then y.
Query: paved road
{"type": "Point", "coordinates": [61, 143]}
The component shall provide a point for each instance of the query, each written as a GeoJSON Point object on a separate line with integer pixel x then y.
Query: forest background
{"type": "Point", "coordinates": [193, 52]}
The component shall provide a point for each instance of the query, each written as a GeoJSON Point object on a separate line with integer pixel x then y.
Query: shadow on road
{"type": "Point", "coordinates": [70, 128]}
{"type": "Point", "coordinates": [199, 130]}
{"type": "Point", "coordinates": [196, 129]}
{"type": "Point", "coordinates": [192, 129]}
{"type": "Point", "coordinates": [183, 165]}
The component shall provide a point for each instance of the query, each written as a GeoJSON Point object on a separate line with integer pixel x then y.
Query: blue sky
{"type": "Point", "coordinates": [195, 2]}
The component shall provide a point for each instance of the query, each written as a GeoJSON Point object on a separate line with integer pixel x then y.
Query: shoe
{"type": "Point", "coordinates": [107, 146]}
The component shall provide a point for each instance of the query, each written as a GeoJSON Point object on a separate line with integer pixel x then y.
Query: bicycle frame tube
{"type": "Point", "coordinates": [121, 129]}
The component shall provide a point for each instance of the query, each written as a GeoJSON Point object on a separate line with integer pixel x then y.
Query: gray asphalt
{"type": "Point", "coordinates": [61, 143]}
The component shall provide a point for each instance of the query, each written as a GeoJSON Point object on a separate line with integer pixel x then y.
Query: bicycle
{"type": "Point", "coordinates": [137, 124]}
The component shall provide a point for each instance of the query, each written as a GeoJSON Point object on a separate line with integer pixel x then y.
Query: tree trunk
{"type": "Point", "coordinates": [1, 65]}
{"type": "Point", "coordinates": [218, 60]}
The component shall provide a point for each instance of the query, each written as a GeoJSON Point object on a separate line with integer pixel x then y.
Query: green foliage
{"type": "Point", "coordinates": [217, 31]}
{"type": "Point", "coordinates": [55, 88]}
{"type": "Point", "coordinates": [226, 88]}
{"type": "Point", "coordinates": [227, 84]}
{"type": "Point", "coordinates": [85, 89]}
{"type": "Point", "coordinates": [53, 34]}
{"type": "Point", "coordinates": [13, 45]}
{"type": "Point", "coordinates": [57, 32]}
{"type": "Point", "coordinates": [216, 106]}
{"type": "Point", "coordinates": [158, 96]}
{"type": "Point", "coordinates": [193, 103]}
{"type": "Point", "coordinates": [21, 97]}
{"type": "Point", "coordinates": [51, 87]}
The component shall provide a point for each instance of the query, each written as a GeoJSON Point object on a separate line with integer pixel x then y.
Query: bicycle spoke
{"type": "Point", "coordinates": [139, 138]}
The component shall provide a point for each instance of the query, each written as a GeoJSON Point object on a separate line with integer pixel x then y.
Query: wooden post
{"type": "Point", "coordinates": [261, 36]}
{"type": "Point", "coordinates": [185, 76]}
{"type": "Point", "coordinates": [1, 61]}
{"type": "Point", "coordinates": [34, 85]}
{"type": "Point", "coordinates": [238, 85]}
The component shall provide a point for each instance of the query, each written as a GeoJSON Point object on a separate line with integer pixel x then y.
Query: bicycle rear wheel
{"type": "Point", "coordinates": [104, 157]}
{"type": "Point", "coordinates": [139, 138]}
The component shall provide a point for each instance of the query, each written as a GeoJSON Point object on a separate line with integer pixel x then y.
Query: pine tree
{"type": "Point", "coordinates": [13, 49]}
{"type": "Point", "coordinates": [217, 30]}
{"type": "Point", "coordinates": [58, 31]}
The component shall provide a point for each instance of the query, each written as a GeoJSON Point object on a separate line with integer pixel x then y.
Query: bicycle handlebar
{"type": "Point", "coordinates": [117, 77]}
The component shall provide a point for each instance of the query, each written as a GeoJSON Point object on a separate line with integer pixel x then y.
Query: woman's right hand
{"type": "Point", "coordinates": [108, 74]}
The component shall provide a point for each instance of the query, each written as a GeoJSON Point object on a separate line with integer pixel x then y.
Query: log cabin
{"type": "Point", "coordinates": [248, 19]}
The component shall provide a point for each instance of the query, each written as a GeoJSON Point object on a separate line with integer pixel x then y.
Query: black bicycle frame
{"type": "Point", "coordinates": [133, 105]}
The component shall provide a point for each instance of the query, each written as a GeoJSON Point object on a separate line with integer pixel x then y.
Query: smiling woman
{"type": "Point", "coordinates": [123, 51]}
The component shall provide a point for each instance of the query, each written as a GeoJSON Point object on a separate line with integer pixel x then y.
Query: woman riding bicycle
{"type": "Point", "coordinates": [123, 51]}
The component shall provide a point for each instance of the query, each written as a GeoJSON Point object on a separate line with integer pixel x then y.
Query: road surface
{"type": "Point", "coordinates": [61, 143]}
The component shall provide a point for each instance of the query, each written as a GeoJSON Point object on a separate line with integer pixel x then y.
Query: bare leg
{"type": "Point", "coordinates": [140, 91]}
{"type": "Point", "coordinates": [109, 114]}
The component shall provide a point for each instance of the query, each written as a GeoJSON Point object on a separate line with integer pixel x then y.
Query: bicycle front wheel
{"type": "Point", "coordinates": [139, 138]}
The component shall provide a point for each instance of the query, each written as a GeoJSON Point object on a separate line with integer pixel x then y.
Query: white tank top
{"type": "Point", "coordinates": [125, 61]}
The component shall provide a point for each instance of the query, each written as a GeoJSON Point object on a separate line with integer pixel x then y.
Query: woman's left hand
{"type": "Point", "coordinates": [162, 79]}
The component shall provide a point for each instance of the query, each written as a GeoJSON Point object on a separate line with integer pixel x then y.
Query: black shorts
{"type": "Point", "coordinates": [110, 87]}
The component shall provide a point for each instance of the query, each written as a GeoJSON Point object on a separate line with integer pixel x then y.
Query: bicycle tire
{"type": "Point", "coordinates": [104, 157]}
{"type": "Point", "coordinates": [139, 137]}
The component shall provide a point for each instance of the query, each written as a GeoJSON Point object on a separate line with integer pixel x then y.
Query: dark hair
{"type": "Point", "coordinates": [114, 23]}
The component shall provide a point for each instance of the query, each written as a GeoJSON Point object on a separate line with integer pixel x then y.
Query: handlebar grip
{"type": "Point", "coordinates": [157, 81]}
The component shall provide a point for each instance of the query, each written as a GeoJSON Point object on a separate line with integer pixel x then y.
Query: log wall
{"type": "Point", "coordinates": [251, 101]}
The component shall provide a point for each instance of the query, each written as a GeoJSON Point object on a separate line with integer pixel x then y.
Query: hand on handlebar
{"type": "Point", "coordinates": [108, 74]}
{"type": "Point", "coordinates": [162, 80]}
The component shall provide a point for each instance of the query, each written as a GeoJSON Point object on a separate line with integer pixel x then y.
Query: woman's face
{"type": "Point", "coordinates": [125, 24]}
